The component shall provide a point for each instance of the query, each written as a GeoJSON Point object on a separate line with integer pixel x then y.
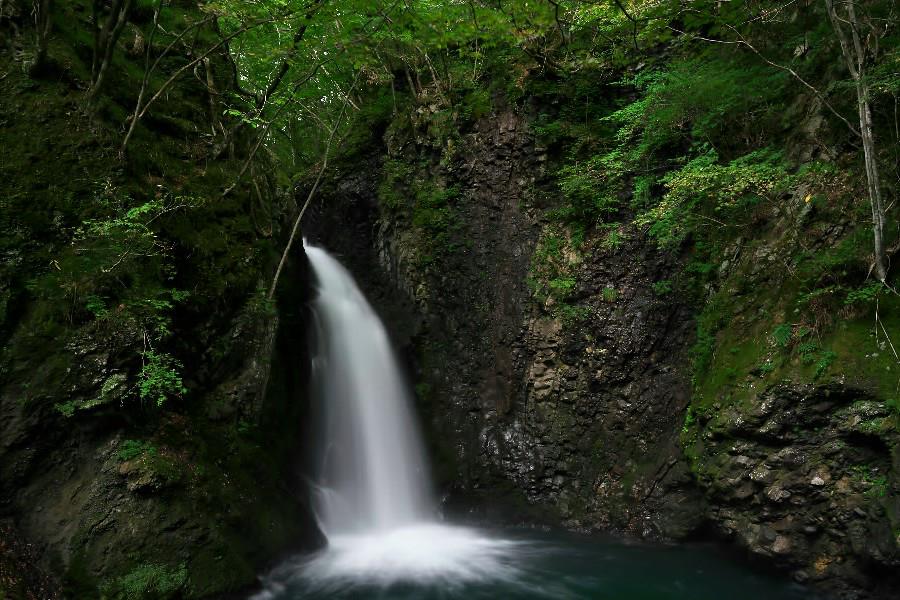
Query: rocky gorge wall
{"type": "Point", "coordinates": [580, 408]}
{"type": "Point", "coordinates": [108, 489]}
{"type": "Point", "coordinates": [578, 413]}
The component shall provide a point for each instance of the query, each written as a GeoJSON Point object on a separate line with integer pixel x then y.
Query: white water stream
{"type": "Point", "coordinates": [373, 497]}
{"type": "Point", "coordinates": [373, 476]}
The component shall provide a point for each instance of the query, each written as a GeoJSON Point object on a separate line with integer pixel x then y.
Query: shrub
{"type": "Point", "coordinates": [160, 378]}
{"type": "Point", "coordinates": [132, 449]}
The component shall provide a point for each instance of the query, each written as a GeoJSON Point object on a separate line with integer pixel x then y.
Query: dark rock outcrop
{"type": "Point", "coordinates": [579, 417]}
{"type": "Point", "coordinates": [803, 477]}
{"type": "Point", "coordinates": [575, 411]}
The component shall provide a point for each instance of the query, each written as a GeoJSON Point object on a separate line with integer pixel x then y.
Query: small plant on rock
{"type": "Point", "coordinates": [160, 378]}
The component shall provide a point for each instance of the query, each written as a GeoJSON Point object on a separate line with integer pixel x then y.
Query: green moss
{"type": "Point", "coordinates": [730, 361]}
{"type": "Point", "coordinates": [148, 582]}
{"type": "Point", "coordinates": [131, 449]}
{"type": "Point", "coordinates": [552, 271]}
{"type": "Point", "coordinates": [394, 175]}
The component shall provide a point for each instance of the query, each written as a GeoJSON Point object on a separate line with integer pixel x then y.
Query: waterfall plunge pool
{"type": "Point", "coordinates": [442, 562]}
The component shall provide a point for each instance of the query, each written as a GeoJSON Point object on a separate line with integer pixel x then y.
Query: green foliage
{"type": "Point", "coordinates": [706, 193]}
{"type": "Point", "coordinates": [96, 306]}
{"type": "Point", "coordinates": [586, 187]}
{"type": "Point", "coordinates": [132, 449]}
{"type": "Point", "coordinates": [871, 477]}
{"type": "Point", "coordinates": [709, 321]}
{"type": "Point", "coordinates": [825, 272]}
{"type": "Point", "coordinates": [116, 259]}
{"type": "Point", "coordinates": [149, 582]}
{"type": "Point", "coordinates": [824, 361]}
{"type": "Point", "coordinates": [689, 420]}
{"type": "Point", "coordinates": [154, 313]}
{"type": "Point", "coordinates": [782, 334]}
{"type": "Point", "coordinates": [610, 294]}
{"type": "Point", "coordinates": [765, 368]}
{"type": "Point", "coordinates": [160, 378]}
{"type": "Point", "coordinates": [663, 287]}
{"type": "Point", "coordinates": [395, 176]}
{"type": "Point", "coordinates": [894, 405]}
{"type": "Point", "coordinates": [864, 294]}
{"type": "Point", "coordinates": [615, 236]}
{"type": "Point", "coordinates": [641, 196]}
{"type": "Point", "coordinates": [701, 98]}
{"type": "Point", "coordinates": [571, 314]}
{"type": "Point", "coordinates": [433, 209]}
{"type": "Point", "coordinates": [682, 110]}
{"type": "Point", "coordinates": [551, 277]}
{"type": "Point", "coordinates": [125, 233]}
{"type": "Point", "coordinates": [428, 204]}
{"type": "Point", "coordinates": [562, 286]}
{"type": "Point", "coordinates": [476, 103]}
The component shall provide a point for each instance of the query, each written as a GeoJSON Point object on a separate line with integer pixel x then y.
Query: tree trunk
{"type": "Point", "coordinates": [212, 93]}
{"type": "Point", "coordinates": [872, 177]}
{"type": "Point", "coordinates": [42, 11]}
{"type": "Point", "coordinates": [105, 40]}
{"type": "Point", "coordinates": [855, 59]}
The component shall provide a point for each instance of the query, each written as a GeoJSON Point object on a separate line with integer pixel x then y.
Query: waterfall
{"type": "Point", "coordinates": [373, 474]}
{"type": "Point", "coordinates": [372, 488]}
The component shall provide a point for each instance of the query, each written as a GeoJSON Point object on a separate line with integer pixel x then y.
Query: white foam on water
{"type": "Point", "coordinates": [425, 553]}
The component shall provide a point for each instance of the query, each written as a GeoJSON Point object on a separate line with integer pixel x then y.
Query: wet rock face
{"type": "Point", "coordinates": [802, 476]}
{"type": "Point", "coordinates": [577, 416]}
{"type": "Point", "coordinates": [604, 397]}
{"type": "Point", "coordinates": [581, 419]}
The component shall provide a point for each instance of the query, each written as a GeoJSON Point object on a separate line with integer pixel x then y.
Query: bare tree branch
{"type": "Point", "coordinates": [313, 189]}
{"type": "Point", "coordinates": [139, 114]}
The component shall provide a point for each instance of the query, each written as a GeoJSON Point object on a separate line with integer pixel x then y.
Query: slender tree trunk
{"type": "Point", "coordinates": [99, 34]}
{"type": "Point", "coordinates": [854, 52]}
{"type": "Point", "coordinates": [105, 41]}
{"type": "Point", "coordinates": [140, 110]}
{"type": "Point", "coordinates": [149, 70]}
{"type": "Point", "coordinates": [313, 190]}
{"type": "Point", "coordinates": [42, 11]}
{"type": "Point", "coordinates": [872, 177]}
{"type": "Point", "coordinates": [213, 96]}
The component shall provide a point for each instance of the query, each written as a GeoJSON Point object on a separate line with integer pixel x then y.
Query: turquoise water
{"type": "Point", "coordinates": [529, 565]}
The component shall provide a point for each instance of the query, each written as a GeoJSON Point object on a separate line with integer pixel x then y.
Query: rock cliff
{"type": "Point", "coordinates": [586, 408]}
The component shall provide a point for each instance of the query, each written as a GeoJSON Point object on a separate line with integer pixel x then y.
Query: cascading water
{"type": "Point", "coordinates": [372, 498]}
{"type": "Point", "coordinates": [373, 475]}
{"type": "Point", "coordinates": [373, 503]}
